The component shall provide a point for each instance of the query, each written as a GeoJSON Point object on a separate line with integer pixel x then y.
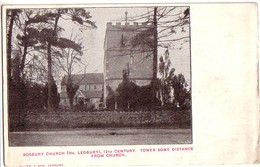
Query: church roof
{"type": "Point", "coordinates": [92, 94]}
{"type": "Point", "coordinates": [88, 94]}
{"type": "Point", "coordinates": [83, 79]}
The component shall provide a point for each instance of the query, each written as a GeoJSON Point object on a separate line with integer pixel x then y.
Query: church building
{"type": "Point", "coordinates": [90, 91]}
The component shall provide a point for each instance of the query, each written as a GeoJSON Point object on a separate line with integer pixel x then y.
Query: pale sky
{"type": "Point", "coordinates": [94, 41]}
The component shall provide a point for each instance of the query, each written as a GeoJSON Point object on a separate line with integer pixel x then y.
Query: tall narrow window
{"type": "Point", "coordinates": [63, 88]}
{"type": "Point", "coordinates": [122, 42]}
{"type": "Point", "coordinates": [107, 66]}
{"type": "Point", "coordinates": [132, 60]}
{"type": "Point", "coordinates": [81, 87]}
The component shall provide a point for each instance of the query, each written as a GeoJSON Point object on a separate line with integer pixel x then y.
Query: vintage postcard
{"type": "Point", "coordinates": [143, 84]}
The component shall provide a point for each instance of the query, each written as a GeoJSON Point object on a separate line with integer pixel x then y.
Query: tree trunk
{"type": "Point", "coordinates": [24, 51]}
{"type": "Point", "coordinates": [70, 90]}
{"type": "Point", "coordinates": [50, 107]}
{"type": "Point", "coordinates": [155, 55]}
{"type": "Point", "coordinates": [9, 45]}
{"type": "Point", "coordinates": [155, 45]}
{"type": "Point", "coordinates": [71, 103]}
{"type": "Point", "coordinates": [23, 60]}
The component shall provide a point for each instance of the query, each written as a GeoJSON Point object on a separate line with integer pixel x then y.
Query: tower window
{"type": "Point", "coordinates": [132, 60]}
{"type": "Point", "coordinates": [106, 65]}
{"type": "Point", "coordinates": [122, 42]}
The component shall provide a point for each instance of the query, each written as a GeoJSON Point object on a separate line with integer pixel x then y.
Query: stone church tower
{"type": "Point", "coordinates": [125, 56]}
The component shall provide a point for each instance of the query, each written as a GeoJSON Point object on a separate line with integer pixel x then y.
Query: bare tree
{"type": "Point", "coordinates": [77, 15]}
{"type": "Point", "coordinates": [67, 58]}
{"type": "Point", "coordinates": [170, 25]}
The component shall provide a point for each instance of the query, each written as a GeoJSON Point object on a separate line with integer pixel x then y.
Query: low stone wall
{"type": "Point", "coordinates": [65, 120]}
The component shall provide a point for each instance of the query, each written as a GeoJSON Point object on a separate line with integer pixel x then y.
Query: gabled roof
{"type": "Point", "coordinates": [83, 79]}
{"type": "Point", "coordinates": [63, 95]}
{"type": "Point", "coordinates": [92, 94]}
{"type": "Point", "coordinates": [87, 94]}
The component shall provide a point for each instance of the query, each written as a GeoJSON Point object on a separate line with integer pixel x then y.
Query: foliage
{"type": "Point", "coordinates": [71, 90]}
{"type": "Point", "coordinates": [164, 71]}
{"type": "Point", "coordinates": [38, 30]}
{"type": "Point", "coordinates": [55, 97]}
{"type": "Point", "coordinates": [127, 94]}
{"type": "Point", "coordinates": [30, 96]}
{"type": "Point", "coordinates": [145, 98]}
{"type": "Point", "coordinates": [35, 97]}
{"type": "Point", "coordinates": [182, 96]}
{"type": "Point", "coordinates": [110, 99]}
{"type": "Point", "coordinates": [130, 96]}
{"type": "Point", "coordinates": [17, 96]}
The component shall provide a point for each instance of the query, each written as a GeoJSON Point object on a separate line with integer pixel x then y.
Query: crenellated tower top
{"type": "Point", "coordinates": [127, 25]}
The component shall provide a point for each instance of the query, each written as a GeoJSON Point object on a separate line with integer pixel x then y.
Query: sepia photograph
{"type": "Point", "coordinates": [130, 84]}
{"type": "Point", "coordinates": [99, 76]}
